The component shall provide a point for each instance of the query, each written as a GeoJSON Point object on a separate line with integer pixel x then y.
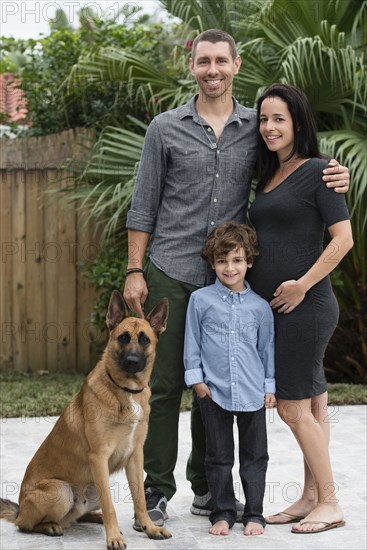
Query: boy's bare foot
{"type": "Point", "coordinates": [292, 514]}
{"type": "Point", "coordinates": [220, 528]}
{"type": "Point", "coordinates": [253, 528]}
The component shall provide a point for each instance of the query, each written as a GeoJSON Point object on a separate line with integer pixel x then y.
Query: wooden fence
{"type": "Point", "coordinates": [44, 302]}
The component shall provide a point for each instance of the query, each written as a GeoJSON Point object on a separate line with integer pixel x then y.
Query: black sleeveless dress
{"type": "Point", "coordinates": [290, 222]}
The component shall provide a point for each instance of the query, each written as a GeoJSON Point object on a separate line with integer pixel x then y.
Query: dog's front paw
{"type": "Point", "coordinates": [158, 533]}
{"type": "Point", "coordinates": [50, 528]}
{"type": "Point", "coordinates": [116, 543]}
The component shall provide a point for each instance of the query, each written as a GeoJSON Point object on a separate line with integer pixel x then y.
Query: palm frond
{"type": "Point", "coordinates": [258, 70]}
{"type": "Point", "coordinates": [330, 77]}
{"type": "Point", "coordinates": [115, 64]}
{"type": "Point", "coordinates": [359, 28]}
{"type": "Point", "coordinates": [144, 81]}
{"type": "Point", "coordinates": [350, 149]}
{"type": "Point", "coordinates": [283, 22]}
{"type": "Point", "coordinates": [104, 188]}
{"type": "Point", "coordinates": [201, 14]}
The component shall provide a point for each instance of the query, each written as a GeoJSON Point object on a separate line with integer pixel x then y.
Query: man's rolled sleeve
{"type": "Point", "coordinates": [139, 221]}
{"type": "Point", "coordinates": [149, 182]}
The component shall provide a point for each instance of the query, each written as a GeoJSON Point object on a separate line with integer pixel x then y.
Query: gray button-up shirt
{"type": "Point", "coordinates": [185, 187]}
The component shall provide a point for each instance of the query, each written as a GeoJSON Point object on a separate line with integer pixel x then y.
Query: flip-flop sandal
{"type": "Point", "coordinates": [326, 524]}
{"type": "Point", "coordinates": [291, 518]}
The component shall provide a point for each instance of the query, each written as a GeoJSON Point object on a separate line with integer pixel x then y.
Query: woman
{"type": "Point", "coordinates": [290, 212]}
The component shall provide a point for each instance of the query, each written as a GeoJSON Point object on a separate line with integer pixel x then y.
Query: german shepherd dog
{"type": "Point", "coordinates": [101, 430]}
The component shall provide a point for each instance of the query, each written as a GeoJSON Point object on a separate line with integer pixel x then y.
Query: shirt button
{"type": "Point", "coordinates": [232, 358]}
{"type": "Point", "coordinates": [233, 383]}
{"type": "Point", "coordinates": [215, 199]}
{"type": "Point", "coordinates": [209, 129]}
{"type": "Point", "coordinates": [232, 305]}
{"type": "Point", "coordinates": [224, 297]}
{"type": "Point", "coordinates": [217, 175]}
{"type": "Point", "coordinates": [211, 223]}
{"type": "Point", "coordinates": [232, 331]}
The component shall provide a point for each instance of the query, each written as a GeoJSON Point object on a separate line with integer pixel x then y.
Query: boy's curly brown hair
{"type": "Point", "coordinates": [227, 237]}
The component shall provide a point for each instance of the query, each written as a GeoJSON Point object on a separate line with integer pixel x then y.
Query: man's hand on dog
{"type": "Point", "coordinates": [135, 293]}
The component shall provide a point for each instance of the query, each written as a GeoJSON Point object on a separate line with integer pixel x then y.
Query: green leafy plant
{"type": "Point", "coordinates": [106, 273]}
{"type": "Point", "coordinates": [43, 66]}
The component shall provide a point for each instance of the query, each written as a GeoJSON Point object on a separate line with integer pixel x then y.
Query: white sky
{"type": "Point", "coordinates": [28, 19]}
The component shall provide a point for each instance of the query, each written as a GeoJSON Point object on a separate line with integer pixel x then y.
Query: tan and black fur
{"type": "Point", "coordinates": [102, 430]}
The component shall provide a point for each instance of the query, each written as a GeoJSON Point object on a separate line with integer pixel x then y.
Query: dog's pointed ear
{"type": "Point", "coordinates": [117, 310]}
{"type": "Point", "coordinates": [157, 318]}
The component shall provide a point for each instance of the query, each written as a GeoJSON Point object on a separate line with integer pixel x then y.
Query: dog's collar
{"type": "Point", "coordinates": [129, 390]}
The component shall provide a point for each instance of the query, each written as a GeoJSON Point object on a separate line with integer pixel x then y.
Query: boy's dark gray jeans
{"type": "Point", "coordinates": [219, 460]}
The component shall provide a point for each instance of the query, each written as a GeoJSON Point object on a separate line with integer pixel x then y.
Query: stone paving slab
{"type": "Point", "coordinates": [21, 437]}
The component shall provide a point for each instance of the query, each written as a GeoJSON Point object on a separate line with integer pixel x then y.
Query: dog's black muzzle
{"type": "Point", "coordinates": [133, 362]}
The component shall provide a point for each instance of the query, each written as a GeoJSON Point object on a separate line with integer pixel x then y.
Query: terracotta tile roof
{"type": "Point", "coordinates": [12, 100]}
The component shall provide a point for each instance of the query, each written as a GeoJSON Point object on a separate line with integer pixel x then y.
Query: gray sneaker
{"type": "Point", "coordinates": [156, 508]}
{"type": "Point", "coordinates": [204, 505]}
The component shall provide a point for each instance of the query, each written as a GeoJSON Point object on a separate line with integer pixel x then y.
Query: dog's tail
{"type": "Point", "coordinates": [8, 510]}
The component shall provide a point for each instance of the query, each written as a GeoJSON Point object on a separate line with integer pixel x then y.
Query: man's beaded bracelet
{"type": "Point", "coordinates": [134, 270]}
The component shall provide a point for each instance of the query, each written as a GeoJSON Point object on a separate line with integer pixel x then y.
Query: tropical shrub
{"type": "Point", "coordinates": [44, 65]}
{"type": "Point", "coordinates": [106, 273]}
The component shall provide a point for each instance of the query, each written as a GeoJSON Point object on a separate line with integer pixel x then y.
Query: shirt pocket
{"type": "Point", "coordinates": [187, 166]}
{"type": "Point", "coordinates": [239, 170]}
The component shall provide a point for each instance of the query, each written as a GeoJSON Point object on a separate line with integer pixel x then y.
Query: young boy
{"type": "Point", "coordinates": [229, 361]}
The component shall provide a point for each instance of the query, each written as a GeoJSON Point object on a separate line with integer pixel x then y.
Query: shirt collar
{"type": "Point", "coordinates": [239, 111]}
{"type": "Point", "coordinates": [226, 293]}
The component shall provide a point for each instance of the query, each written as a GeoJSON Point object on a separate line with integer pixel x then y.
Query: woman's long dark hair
{"type": "Point", "coordinates": [304, 125]}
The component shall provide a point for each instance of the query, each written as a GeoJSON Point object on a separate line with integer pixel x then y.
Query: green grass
{"type": "Point", "coordinates": [47, 394]}
{"type": "Point", "coordinates": [36, 395]}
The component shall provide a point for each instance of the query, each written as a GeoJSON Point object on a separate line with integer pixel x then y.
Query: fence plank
{"type": "Point", "coordinates": [7, 251]}
{"type": "Point", "coordinates": [67, 287]}
{"type": "Point", "coordinates": [19, 287]}
{"type": "Point", "coordinates": [52, 256]}
{"type": "Point", "coordinates": [34, 326]}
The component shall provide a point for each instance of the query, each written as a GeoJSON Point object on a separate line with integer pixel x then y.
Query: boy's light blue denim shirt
{"type": "Point", "coordinates": [184, 188]}
{"type": "Point", "coordinates": [229, 345]}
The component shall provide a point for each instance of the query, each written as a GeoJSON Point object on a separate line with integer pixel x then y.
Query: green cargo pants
{"type": "Point", "coordinates": [167, 383]}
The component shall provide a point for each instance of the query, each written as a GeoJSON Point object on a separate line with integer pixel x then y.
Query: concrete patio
{"type": "Point", "coordinates": [21, 437]}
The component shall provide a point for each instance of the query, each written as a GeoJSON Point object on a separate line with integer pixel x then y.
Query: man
{"type": "Point", "coordinates": [195, 173]}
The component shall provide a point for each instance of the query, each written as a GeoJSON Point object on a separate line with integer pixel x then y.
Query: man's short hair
{"type": "Point", "coordinates": [214, 36]}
